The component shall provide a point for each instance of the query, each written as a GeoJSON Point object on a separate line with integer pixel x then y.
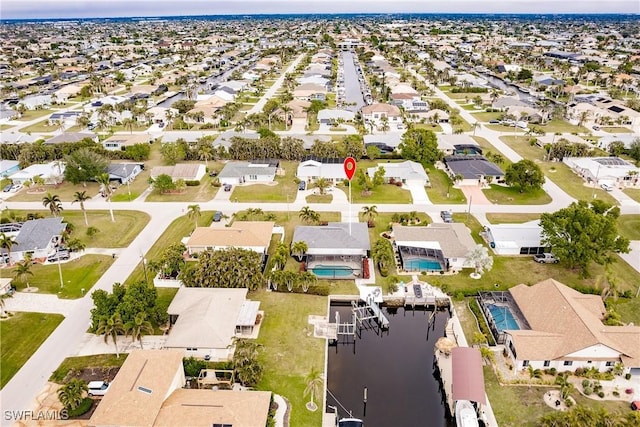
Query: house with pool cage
{"type": "Point", "coordinates": [338, 250]}
{"type": "Point", "coordinates": [550, 325]}
{"type": "Point", "coordinates": [435, 248]}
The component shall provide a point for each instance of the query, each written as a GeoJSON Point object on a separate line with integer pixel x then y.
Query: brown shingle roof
{"type": "Point", "coordinates": [454, 239]}
{"type": "Point", "coordinates": [240, 234]}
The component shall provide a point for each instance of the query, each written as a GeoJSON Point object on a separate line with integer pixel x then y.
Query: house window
{"type": "Point", "coordinates": [589, 362]}
{"type": "Point", "coordinates": [191, 349]}
{"type": "Point", "coordinates": [547, 363]}
{"type": "Point", "coordinates": [609, 364]}
{"type": "Point", "coordinates": [568, 363]}
{"type": "Point", "coordinates": [253, 177]}
{"type": "Point", "coordinates": [525, 363]}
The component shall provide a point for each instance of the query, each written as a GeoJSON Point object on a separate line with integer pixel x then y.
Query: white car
{"type": "Point", "coordinates": [15, 188]}
{"type": "Point", "coordinates": [606, 187]}
{"type": "Point", "coordinates": [97, 388]}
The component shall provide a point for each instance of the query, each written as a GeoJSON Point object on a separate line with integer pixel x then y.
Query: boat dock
{"type": "Point", "coordinates": [421, 294]}
{"type": "Point", "coordinates": [443, 361]}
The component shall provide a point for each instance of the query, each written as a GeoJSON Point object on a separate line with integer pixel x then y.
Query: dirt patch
{"type": "Point", "coordinates": [93, 374]}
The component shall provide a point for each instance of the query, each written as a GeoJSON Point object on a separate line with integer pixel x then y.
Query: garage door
{"type": "Point", "coordinates": [635, 371]}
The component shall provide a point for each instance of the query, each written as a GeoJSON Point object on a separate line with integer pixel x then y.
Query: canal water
{"type": "Point", "coordinates": [395, 366]}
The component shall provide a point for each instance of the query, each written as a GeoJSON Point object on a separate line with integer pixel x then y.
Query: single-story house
{"type": "Point", "coordinates": [407, 172]}
{"type": "Point", "coordinates": [313, 168]}
{"type": "Point", "coordinates": [457, 144]}
{"type": "Point", "coordinates": [124, 172]}
{"type": "Point", "coordinates": [431, 116]}
{"type": "Point", "coordinates": [555, 326]}
{"type": "Point", "coordinates": [68, 118]}
{"type": "Point", "coordinates": [473, 169]}
{"type": "Point", "coordinates": [436, 247]}
{"type": "Point", "coordinates": [239, 172]}
{"type": "Point", "coordinates": [38, 237]}
{"type": "Point", "coordinates": [386, 142]}
{"type": "Point", "coordinates": [52, 173]}
{"type": "Point", "coordinates": [516, 239]}
{"type": "Point", "coordinates": [72, 137]}
{"type": "Point", "coordinates": [605, 170]}
{"type": "Point", "coordinates": [121, 141]}
{"type": "Point", "coordinates": [9, 167]}
{"type": "Point", "coordinates": [184, 171]}
{"type": "Point", "coordinates": [204, 321]}
{"type": "Point", "coordinates": [336, 250]}
{"type": "Point", "coordinates": [13, 137]}
{"type": "Point", "coordinates": [625, 138]}
{"type": "Point", "coordinates": [327, 116]}
{"type": "Point", "coordinates": [250, 235]}
{"type": "Point", "coordinates": [147, 391]}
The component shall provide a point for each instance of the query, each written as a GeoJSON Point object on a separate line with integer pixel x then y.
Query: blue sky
{"type": "Point", "coordinates": [11, 9]}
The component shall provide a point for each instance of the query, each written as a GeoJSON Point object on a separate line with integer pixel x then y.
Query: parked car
{"type": "Point", "coordinates": [606, 187]}
{"type": "Point", "coordinates": [596, 127]}
{"type": "Point", "coordinates": [15, 188]}
{"type": "Point", "coordinates": [62, 255]}
{"type": "Point", "coordinates": [213, 173]}
{"type": "Point", "coordinates": [7, 188]}
{"type": "Point", "coordinates": [98, 388]}
{"type": "Point", "coordinates": [217, 216]}
{"type": "Point", "coordinates": [494, 122]}
{"type": "Point", "coordinates": [545, 258]}
{"type": "Point", "coordinates": [446, 216]}
{"type": "Point", "coordinates": [302, 186]}
{"type": "Point", "coordinates": [227, 187]}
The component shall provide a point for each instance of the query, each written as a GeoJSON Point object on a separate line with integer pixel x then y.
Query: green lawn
{"type": "Point", "coordinates": [558, 172]}
{"type": "Point", "coordinates": [485, 117]}
{"type": "Point", "coordinates": [317, 198]}
{"type": "Point", "coordinates": [20, 337]}
{"type": "Point", "coordinates": [616, 129]}
{"type": "Point", "coordinates": [77, 275]}
{"type": "Point", "coordinates": [500, 195]}
{"type": "Point", "coordinates": [41, 127]}
{"type": "Point", "coordinates": [30, 115]}
{"type": "Point", "coordinates": [441, 187]}
{"type": "Point", "coordinates": [429, 126]}
{"type": "Point", "coordinates": [562, 126]}
{"type": "Point", "coordinates": [511, 218]}
{"type": "Point", "coordinates": [627, 308]}
{"type": "Point", "coordinates": [201, 193]}
{"type": "Point", "coordinates": [488, 147]}
{"type": "Point", "coordinates": [289, 349]}
{"type": "Point", "coordinates": [385, 193]}
{"type": "Point", "coordinates": [634, 193]}
{"type": "Point", "coordinates": [179, 228]}
{"type": "Point", "coordinates": [629, 226]}
{"type": "Point", "coordinates": [65, 191]}
{"type": "Point", "coordinates": [285, 190]}
{"type": "Point", "coordinates": [83, 362]}
{"type": "Point", "coordinates": [118, 234]}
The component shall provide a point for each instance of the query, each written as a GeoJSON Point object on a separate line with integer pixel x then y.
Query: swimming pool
{"type": "Point", "coordinates": [332, 270]}
{"type": "Point", "coordinates": [421, 264]}
{"type": "Point", "coordinates": [503, 318]}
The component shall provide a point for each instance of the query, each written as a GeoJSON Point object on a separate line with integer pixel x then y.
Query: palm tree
{"type": "Point", "coordinates": [23, 270]}
{"type": "Point", "coordinates": [194, 213]}
{"type": "Point", "coordinates": [481, 260]}
{"type": "Point", "coordinates": [81, 197]}
{"type": "Point", "coordinates": [299, 248]}
{"type": "Point", "coordinates": [308, 215]}
{"type": "Point", "coordinates": [72, 393]}
{"type": "Point", "coordinates": [52, 201]}
{"type": "Point", "coordinates": [138, 327]}
{"type": "Point", "coordinates": [111, 327]}
{"type": "Point", "coordinates": [314, 383]}
{"type": "Point", "coordinates": [105, 184]}
{"type": "Point", "coordinates": [307, 279]}
{"type": "Point", "coordinates": [7, 242]}
{"type": "Point", "coordinates": [370, 212]}
{"type": "Point", "coordinates": [533, 373]}
{"type": "Point", "coordinates": [322, 184]}
{"type": "Point", "coordinates": [245, 361]}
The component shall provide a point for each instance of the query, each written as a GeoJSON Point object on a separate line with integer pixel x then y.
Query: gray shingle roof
{"type": "Point", "coordinates": [37, 233]}
{"type": "Point", "coordinates": [335, 235]}
{"type": "Point", "coordinates": [471, 167]}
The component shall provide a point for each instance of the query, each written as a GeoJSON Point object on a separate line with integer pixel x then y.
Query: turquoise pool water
{"type": "Point", "coordinates": [503, 318]}
{"type": "Point", "coordinates": [421, 264]}
{"type": "Point", "coordinates": [332, 270]}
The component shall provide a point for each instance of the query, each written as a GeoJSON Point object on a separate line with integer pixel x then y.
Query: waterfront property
{"type": "Point", "coordinates": [434, 248]}
{"type": "Point", "coordinates": [335, 251]}
{"type": "Point", "coordinates": [549, 325]}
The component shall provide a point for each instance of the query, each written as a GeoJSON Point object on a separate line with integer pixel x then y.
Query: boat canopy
{"type": "Point", "coordinates": [468, 379]}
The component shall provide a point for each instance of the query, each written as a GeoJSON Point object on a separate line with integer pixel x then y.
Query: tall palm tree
{"type": "Point", "coordinates": [72, 393]}
{"type": "Point", "coordinates": [23, 270]}
{"type": "Point", "coordinates": [308, 215]}
{"type": "Point", "coordinates": [103, 180]}
{"type": "Point", "coordinates": [299, 248]}
{"type": "Point", "coordinates": [111, 327]}
{"type": "Point", "coordinates": [7, 242]}
{"type": "Point", "coordinates": [138, 327]}
{"type": "Point", "coordinates": [194, 213]}
{"type": "Point", "coordinates": [306, 279]}
{"type": "Point", "coordinates": [370, 212]}
{"type": "Point", "coordinates": [52, 201]}
{"type": "Point", "coordinates": [81, 197]}
{"type": "Point", "coordinates": [314, 383]}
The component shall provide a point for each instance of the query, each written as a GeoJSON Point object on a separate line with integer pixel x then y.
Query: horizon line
{"type": "Point", "coordinates": [328, 14]}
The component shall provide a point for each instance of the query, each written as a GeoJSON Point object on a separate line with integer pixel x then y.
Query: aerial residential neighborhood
{"type": "Point", "coordinates": [319, 219]}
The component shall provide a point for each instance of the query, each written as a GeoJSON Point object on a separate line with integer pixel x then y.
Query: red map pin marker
{"type": "Point", "coordinates": [349, 167]}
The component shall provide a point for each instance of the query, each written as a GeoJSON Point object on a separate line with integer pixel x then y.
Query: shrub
{"type": "Point", "coordinates": [579, 372]}
{"type": "Point", "coordinates": [601, 394]}
{"type": "Point", "coordinates": [192, 183]}
{"type": "Point", "coordinates": [553, 371]}
{"type": "Point", "coordinates": [627, 376]}
{"type": "Point", "coordinates": [82, 409]}
{"type": "Point", "coordinates": [586, 383]}
{"type": "Point", "coordinates": [587, 391]}
{"type": "Point", "coordinates": [616, 393]}
{"type": "Point", "coordinates": [568, 402]}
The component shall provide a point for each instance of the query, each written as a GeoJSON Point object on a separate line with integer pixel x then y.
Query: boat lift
{"type": "Point", "coordinates": [369, 311]}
